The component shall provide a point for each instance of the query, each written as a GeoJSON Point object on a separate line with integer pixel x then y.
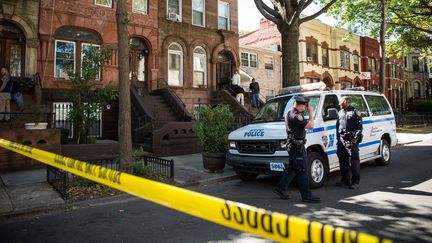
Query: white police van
{"type": "Point", "coordinates": [260, 147]}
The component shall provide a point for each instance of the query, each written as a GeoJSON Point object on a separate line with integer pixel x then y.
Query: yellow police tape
{"type": "Point", "coordinates": [272, 225]}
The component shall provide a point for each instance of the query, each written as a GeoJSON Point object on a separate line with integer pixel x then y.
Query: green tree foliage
{"type": "Point", "coordinates": [87, 97]}
{"type": "Point", "coordinates": [288, 16]}
{"type": "Point", "coordinates": [409, 22]}
{"type": "Point", "coordinates": [211, 127]}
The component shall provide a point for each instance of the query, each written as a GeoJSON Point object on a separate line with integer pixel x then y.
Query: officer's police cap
{"type": "Point", "coordinates": [301, 99]}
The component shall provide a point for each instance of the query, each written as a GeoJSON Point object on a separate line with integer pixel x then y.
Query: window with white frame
{"type": "Point", "coordinates": [105, 3]}
{"type": "Point", "coordinates": [346, 85]}
{"type": "Point", "coordinates": [140, 6]}
{"type": "Point", "coordinates": [175, 65]}
{"type": "Point", "coordinates": [199, 65]}
{"type": "Point", "coordinates": [198, 9]}
{"type": "Point", "coordinates": [249, 59]}
{"type": "Point", "coordinates": [345, 59]}
{"type": "Point", "coordinates": [64, 57]}
{"type": "Point", "coordinates": [223, 15]}
{"type": "Point", "coordinates": [70, 46]}
{"type": "Point", "coordinates": [269, 63]}
{"type": "Point", "coordinates": [174, 10]}
{"type": "Point", "coordinates": [417, 90]}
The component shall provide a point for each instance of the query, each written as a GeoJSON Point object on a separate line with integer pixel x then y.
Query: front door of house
{"type": "Point", "coordinates": [138, 59]}
{"type": "Point", "coordinates": [224, 69]}
{"type": "Point", "coordinates": [12, 48]}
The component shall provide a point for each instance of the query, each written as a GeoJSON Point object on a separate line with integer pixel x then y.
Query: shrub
{"type": "Point", "coordinates": [211, 127]}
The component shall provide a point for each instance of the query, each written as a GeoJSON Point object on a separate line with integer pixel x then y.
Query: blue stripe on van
{"type": "Point", "coordinates": [321, 129]}
{"type": "Point", "coordinates": [333, 151]}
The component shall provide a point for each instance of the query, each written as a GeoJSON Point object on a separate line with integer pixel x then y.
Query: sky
{"type": "Point", "coordinates": [249, 16]}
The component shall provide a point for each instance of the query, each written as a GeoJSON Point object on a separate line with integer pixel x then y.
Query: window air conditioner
{"type": "Point", "coordinates": [173, 17]}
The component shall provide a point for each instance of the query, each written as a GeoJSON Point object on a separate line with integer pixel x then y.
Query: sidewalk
{"type": "Point", "coordinates": [27, 191]}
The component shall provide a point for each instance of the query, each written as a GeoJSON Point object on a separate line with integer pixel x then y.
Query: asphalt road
{"type": "Point", "coordinates": [393, 201]}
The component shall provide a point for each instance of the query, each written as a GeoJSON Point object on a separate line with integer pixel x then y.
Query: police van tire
{"type": "Point", "coordinates": [385, 153]}
{"type": "Point", "coordinates": [316, 169]}
{"type": "Point", "coordinates": [246, 176]}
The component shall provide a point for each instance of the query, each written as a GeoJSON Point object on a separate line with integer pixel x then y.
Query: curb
{"type": "Point", "coordinates": [411, 142]}
{"type": "Point", "coordinates": [207, 181]}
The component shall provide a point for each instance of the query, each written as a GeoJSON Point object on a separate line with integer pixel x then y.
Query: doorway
{"type": "Point", "coordinates": [224, 70]}
{"type": "Point", "coordinates": [12, 48]}
{"type": "Point", "coordinates": [138, 63]}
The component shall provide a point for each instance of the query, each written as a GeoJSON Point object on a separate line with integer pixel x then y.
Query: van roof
{"type": "Point", "coordinates": [317, 92]}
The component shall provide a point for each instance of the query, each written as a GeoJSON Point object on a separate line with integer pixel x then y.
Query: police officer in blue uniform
{"type": "Point", "coordinates": [349, 134]}
{"type": "Point", "coordinates": [297, 168]}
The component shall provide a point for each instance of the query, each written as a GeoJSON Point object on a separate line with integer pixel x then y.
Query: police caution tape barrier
{"type": "Point", "coordinates": [272, 225]}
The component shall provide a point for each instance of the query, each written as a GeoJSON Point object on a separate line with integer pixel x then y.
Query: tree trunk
{"type": "Point", "coordinates": [290, 63]}
{"type": "Point", "coordinates": [382, 45]}
{"type": "Point", "coordinates": [124, 126]}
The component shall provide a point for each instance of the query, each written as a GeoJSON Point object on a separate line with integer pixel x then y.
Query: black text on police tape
{"type": "Point", "coordinates": [94, 170]}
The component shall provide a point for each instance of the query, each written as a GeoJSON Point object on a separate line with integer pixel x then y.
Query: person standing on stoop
{"type": "Point", "coordinates": [297, 168]}
{"type": "Point", "coordinates": [349, 134]}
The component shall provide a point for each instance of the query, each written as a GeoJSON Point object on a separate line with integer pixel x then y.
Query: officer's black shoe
{"type": "Point", "coordinates": [312, 199]}
{"type": "Point", "coordinates": [281, 194]}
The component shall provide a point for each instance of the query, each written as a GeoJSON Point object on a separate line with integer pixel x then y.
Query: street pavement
{"type": "Point", "coordinates": [393, 201]}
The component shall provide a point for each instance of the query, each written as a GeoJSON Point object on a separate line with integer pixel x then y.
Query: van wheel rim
{"type": "Point", "coordinates": [317, 171]}
{"type": "Point", "coordinates": [386, 153]}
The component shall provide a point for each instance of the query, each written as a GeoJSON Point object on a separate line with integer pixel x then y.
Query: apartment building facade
{"type": "Point", "coordinates": [198, 47]}
{"type": "Point", "coordinates": [264, 65]}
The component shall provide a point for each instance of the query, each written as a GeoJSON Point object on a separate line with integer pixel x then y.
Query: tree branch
{"type": "Point", "coordinates": [412, 25]}
{"type": "Point", "coordinates": [323, 10]}
{"type": "Point", "coordinates": [296, 16]}
{"type": "Point", "coordinates": [267, 12]}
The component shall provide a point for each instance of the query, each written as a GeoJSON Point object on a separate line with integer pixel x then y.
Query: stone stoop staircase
{"type": "Point", "coordinates": [161, 124]}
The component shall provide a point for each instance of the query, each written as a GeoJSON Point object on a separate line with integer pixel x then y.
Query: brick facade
{"type": "Point", "coordinates": [86, 16]}
{"type": "Point", "coordinates": [183, 33]}
{"type": "Point", "coordinates": [322, 37]}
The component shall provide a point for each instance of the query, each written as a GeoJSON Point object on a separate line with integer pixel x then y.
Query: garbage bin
{"type": "Point", "coordinates": [64, 135]}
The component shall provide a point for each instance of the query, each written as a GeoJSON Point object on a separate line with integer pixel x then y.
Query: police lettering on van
{"type": "Point", "coordinates": [260, 147]}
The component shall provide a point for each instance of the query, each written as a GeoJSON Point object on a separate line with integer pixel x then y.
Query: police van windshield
{"type": "Point", "coordinates": [275, 110]}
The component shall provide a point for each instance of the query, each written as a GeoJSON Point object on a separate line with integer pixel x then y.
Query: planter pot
{"type": "Point", "coordinates": [36, 126]}
{"type": "Point", "coordinates": [214, 161]}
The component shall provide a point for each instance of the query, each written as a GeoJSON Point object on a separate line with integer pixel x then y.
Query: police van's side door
{"type": "Point", "coordinates": [367, 146]}
{"type": "Point", "coordinates": [328, 136]}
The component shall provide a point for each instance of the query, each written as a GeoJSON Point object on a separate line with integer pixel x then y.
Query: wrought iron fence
{"type": "Point", "coordinates": [160, 166]}
{"type": "Point", "coordinates": [407, 120]}
{"type": "Point", "coordinates": [61, 180]}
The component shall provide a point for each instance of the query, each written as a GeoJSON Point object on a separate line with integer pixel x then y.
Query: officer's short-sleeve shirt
{"type": "Point", "coordinates": [295, 124]}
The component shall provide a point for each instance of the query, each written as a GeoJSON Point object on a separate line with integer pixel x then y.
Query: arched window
{"type": "Point", "coordinates": [71, 44]}
{"type": "Point", "coordinates": [175, 65]}
{"type": "Point", "coordinates": [417, 90]}
{"type": "Point", "coordinates": [199, 67]}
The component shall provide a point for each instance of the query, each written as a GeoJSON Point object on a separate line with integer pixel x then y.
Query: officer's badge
{"type": "Point", "coordinates": [300, 118]}
{"type": "Point", "coordinates": [358, 113]}
{"type": "Point", "coordinates": [325, 140]}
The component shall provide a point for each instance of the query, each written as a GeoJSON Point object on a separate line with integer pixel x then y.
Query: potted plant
{"type": "Point", "coordinates": [37, 116]}
{"type": "Point", "coordinates": [211, 128]}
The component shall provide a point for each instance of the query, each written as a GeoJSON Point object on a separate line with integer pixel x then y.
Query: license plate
{"type": "Point", "coordinates": [277, 166]}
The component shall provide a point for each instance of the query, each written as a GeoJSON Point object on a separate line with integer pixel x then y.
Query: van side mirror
{"type": "Point", "coordinates": [332, 114]}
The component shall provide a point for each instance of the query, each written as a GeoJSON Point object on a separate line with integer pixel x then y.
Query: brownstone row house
{"type": "Point", "coordinates": [324, 56]}
{"type": "Point", "coordinates": [181, 52]}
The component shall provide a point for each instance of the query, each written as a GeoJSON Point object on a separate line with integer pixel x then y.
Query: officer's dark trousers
{"type": "Point", "coordinates": [297, 169]}
{"type": "Point", "coordinates": [350, 170]}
